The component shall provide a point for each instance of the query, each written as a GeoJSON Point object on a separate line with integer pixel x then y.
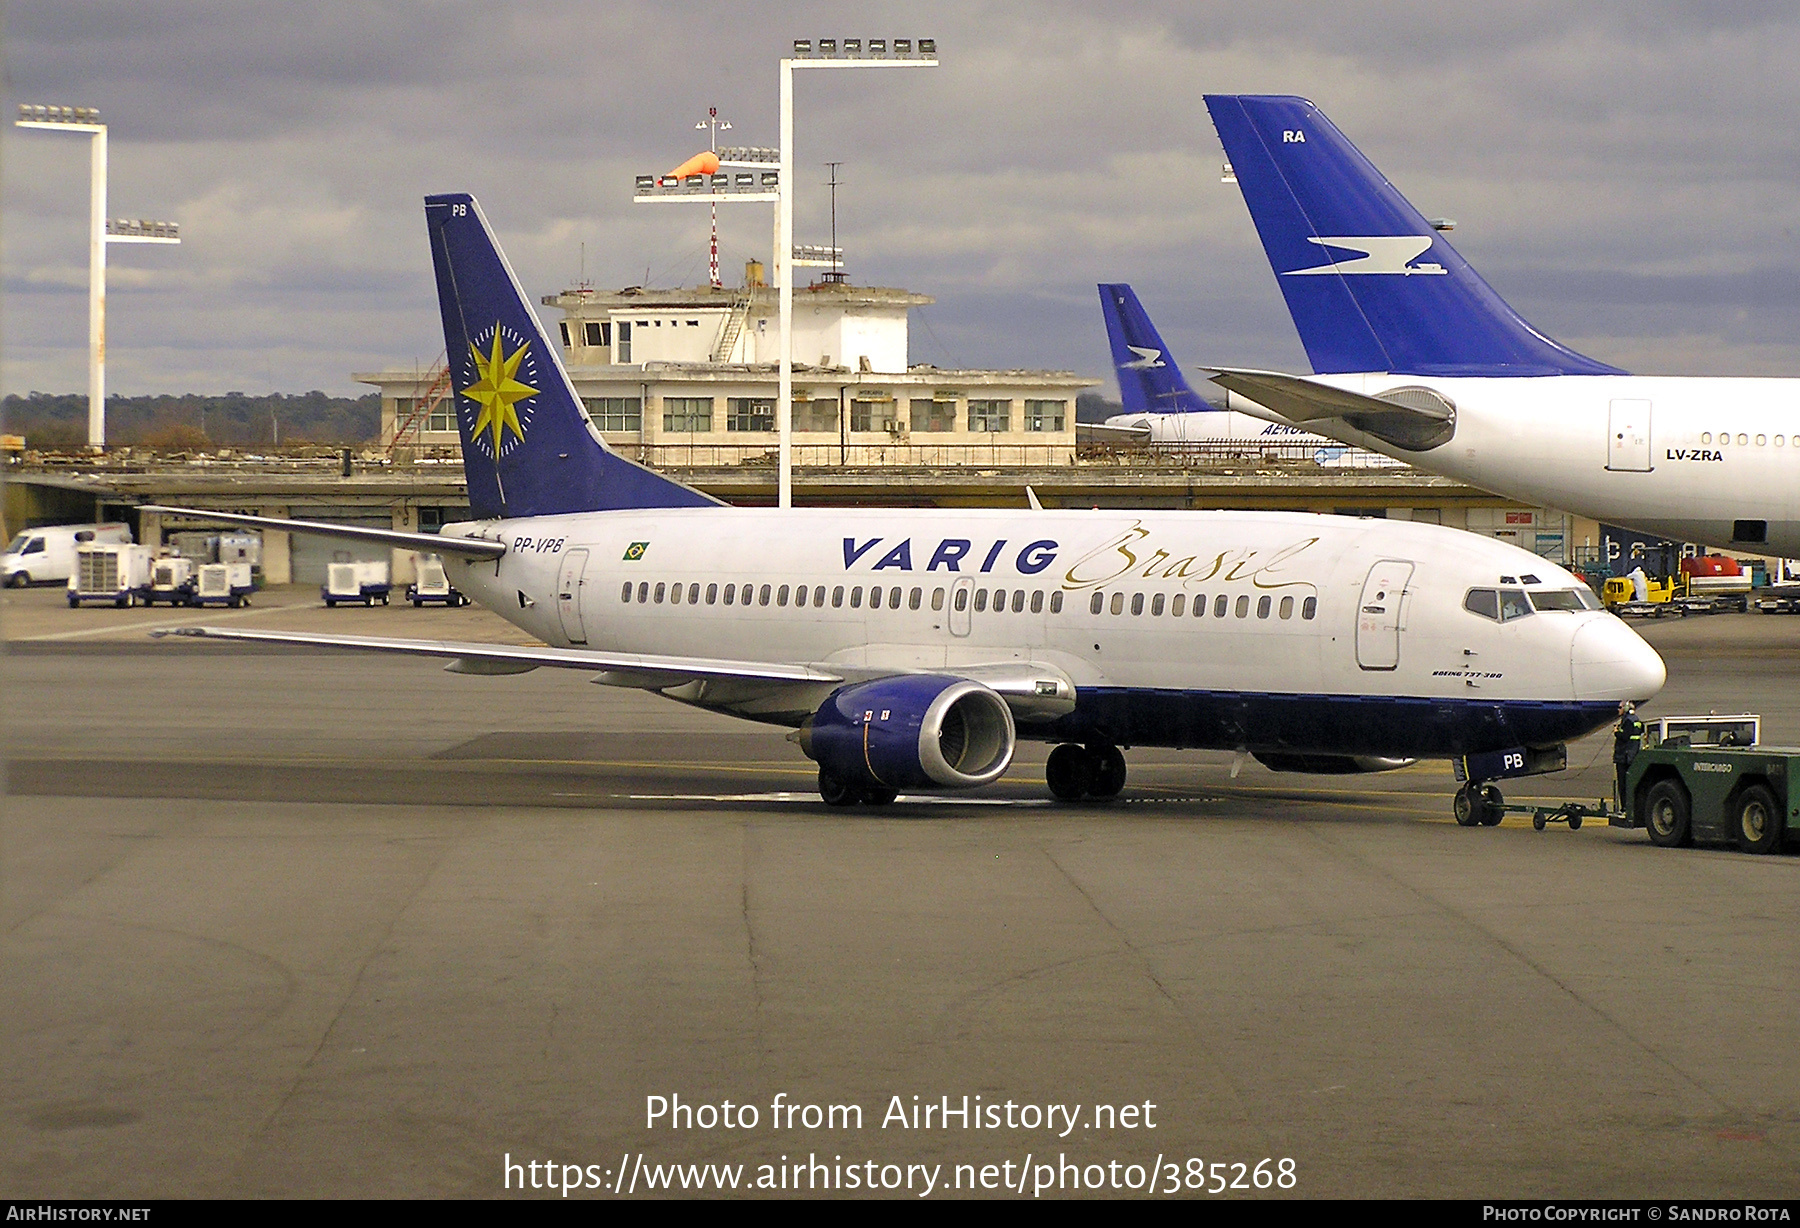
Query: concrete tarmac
{"type": "Point", "coordinates": [283, 923]}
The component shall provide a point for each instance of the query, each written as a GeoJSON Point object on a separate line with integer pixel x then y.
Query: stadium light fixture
{"type": "Point", "coordinates": [101, 231]}
{"type": "Point", "coordinates": [815, 53]}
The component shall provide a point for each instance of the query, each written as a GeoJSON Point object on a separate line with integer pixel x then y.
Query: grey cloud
{"type": "Point", "coordinates": [1628, 175]}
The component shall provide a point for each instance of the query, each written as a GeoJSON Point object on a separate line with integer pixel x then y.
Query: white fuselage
{"type": "Point", "coordinates": [1218, 426]}
{"type": "Point", "coordinates": [1287, 600]}
{"type": "Point", "coordinates": [1686, 458]}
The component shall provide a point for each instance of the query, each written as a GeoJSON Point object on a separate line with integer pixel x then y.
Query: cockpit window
{"type": "Point", "coordinates": [1513, 604]}
{"type": "Point", "coordinates": [1559, 599]}
{"type": "Point", "coordinates": [1483, 601]}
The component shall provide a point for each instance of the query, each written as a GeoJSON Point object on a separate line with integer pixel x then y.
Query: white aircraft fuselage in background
{"type": "Point", "coordinates": [1684, 457]}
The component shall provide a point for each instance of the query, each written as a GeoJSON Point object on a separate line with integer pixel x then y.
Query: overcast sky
{"type": "Point", "coordinates": [1626, 174]}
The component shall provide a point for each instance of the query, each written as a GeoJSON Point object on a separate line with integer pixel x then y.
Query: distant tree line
{"type": "Point", "coordinates": [236, 419]}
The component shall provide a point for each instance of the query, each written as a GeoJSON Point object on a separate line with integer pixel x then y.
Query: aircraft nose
{"type": "Point", "coordinates": [1608, 660]}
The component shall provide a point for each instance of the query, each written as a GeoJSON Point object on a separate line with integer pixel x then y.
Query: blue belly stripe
{"type": "Point", "coordinates": [1399, 726]}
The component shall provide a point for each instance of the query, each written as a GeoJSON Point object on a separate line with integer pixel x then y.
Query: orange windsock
{"type": "Point", "coordinates": [704, 163]}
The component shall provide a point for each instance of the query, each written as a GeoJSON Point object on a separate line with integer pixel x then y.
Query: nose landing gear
{"type": "Point", "coordinates": [1093, 772]}
{"type": "Point", "coordinates": [1478, 805]}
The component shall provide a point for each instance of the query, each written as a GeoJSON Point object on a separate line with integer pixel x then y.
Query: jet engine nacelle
{"type": "Point", "coordinates": [914, 731]}
{"type": "Point", "coordinates": [1328, 765]}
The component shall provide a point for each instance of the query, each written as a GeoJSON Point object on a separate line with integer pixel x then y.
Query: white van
{"type": "Point", "coordinates": [47, 555]}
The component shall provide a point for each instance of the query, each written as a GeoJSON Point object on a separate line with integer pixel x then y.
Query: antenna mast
{"type": "Point", "coordinates": [837, 273]}
{"type": "Point", "coordinates": [714, 126]}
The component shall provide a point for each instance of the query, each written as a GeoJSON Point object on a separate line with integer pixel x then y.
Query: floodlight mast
{"type": "Point", "coordinates": [855, 53]}
{"type": "Point", "coordinates": [100, 233]}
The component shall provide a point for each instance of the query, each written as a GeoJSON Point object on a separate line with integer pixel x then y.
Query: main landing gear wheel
{"type": "Point", "coordinates": [879, 796]}
{"type": "Point", "coordinates": [1758, 822]}
{"type": "Point", "coordinates": [1067, 771]}
{"type": "Point", "coordinates": [836, 790]}
{"type": "Point", "coordinates": [1077, 772]}
{"type": "Point", "coordinates": [1491, 801]}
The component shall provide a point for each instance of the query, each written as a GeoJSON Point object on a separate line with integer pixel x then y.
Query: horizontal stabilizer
{"type": "Point", "coordinates": [1108, 432]}
{"type": "Point", "coordinates": [1411, 419]}
{"type": "Point", "coordinates": [647, 669]}
{"type": "Point", "coordinates": [424, 543]}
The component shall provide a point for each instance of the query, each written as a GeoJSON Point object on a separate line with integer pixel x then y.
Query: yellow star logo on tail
{"type": "Point", "coordinates": [496, 390]}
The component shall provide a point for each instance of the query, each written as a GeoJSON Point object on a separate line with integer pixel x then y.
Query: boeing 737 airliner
{"type": "Point", "coordinates": [1415, 356]}
{"type": "Point", "coordinates": [912, 649]}
{"type": "Point", "coordinates": [1162, 408]}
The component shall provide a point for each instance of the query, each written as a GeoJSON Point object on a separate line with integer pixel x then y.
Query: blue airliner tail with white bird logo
{"type": "Point", "coordinates": [1150, 382]}
{"type": "Point", "coordinates": [528, 446]}
{"type": "Point", "coordinates": [1371, 285]}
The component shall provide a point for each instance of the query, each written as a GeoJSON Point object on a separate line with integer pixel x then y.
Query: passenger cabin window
{"type": "Point", "coordinates": [1096, 603]}
{"type": "Point", "coordinates": [1309, 607]}
{"type": "Point", "coordinates": [1056, 603]}
{"type": "Point", "coordinates": [1219, 605]}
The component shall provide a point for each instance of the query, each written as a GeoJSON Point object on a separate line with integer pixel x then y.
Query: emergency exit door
{"type": "Point", "coordinates": [568, 595]}
{"type": "Point", "coordinates": [1379, 612]}
{"type": "Point", "coordinates": [960, 595]}
{"type": "Point", "coordinates": [1628, 437]}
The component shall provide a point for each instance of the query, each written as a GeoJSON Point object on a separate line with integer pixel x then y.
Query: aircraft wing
{"type": "Point", "coordinates": [1035, 691]}
{"type": "Point", "coordinates": [424, 543]}
{"type": "Point", "coordinates": [1100, 432]}
{"type": "Point", "coordinates": [631, 669]}
{"type": "Point", "coordinates": [1413, 424]}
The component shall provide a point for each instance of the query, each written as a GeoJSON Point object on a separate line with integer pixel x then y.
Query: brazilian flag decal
{"type": "Point", "coordinates": [635, 551]}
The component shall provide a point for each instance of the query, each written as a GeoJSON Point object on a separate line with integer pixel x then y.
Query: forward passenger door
{"type": "Point", "coordinates": [1378, 614]}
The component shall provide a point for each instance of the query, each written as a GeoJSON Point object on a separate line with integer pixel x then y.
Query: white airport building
{"type": "Point", "coordinates": [688, 377]}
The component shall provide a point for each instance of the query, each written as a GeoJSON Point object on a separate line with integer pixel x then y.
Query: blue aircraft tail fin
{"type": "Point", "coordinates": [1149, 379]}
{"type": "Point", "coordinates": [529, 448]}
{"type": "Point", "coordinates": [1371, 285]}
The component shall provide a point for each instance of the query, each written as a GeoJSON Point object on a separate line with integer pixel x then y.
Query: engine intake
{"type": "Point", "coordinates": [914, 731]}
